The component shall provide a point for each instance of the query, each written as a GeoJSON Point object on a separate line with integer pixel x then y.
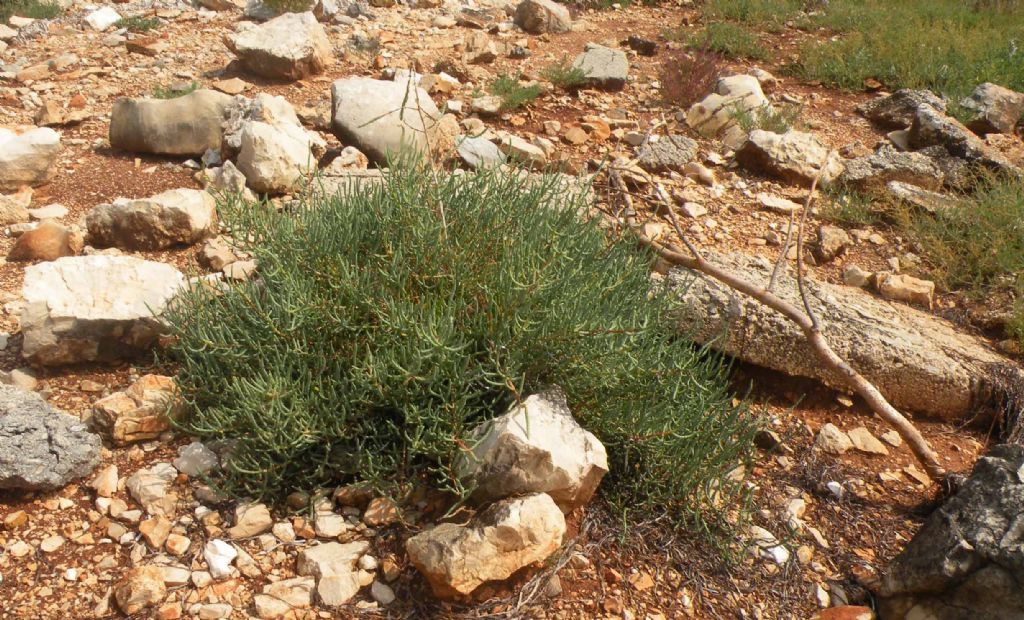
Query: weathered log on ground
{"type": "Point", "coordinates": [919, 362]}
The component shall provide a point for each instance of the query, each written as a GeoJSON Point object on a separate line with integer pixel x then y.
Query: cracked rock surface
{"type": "Point", "coordinates": [968, 560]}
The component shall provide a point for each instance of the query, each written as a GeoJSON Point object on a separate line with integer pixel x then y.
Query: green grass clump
{"type": "Point", "coordinates": [36, 9]}
{"type": "Point", "coordinates": [173, 92]}
{"type": "Point", "coordinates": [386, 323]}
{"type": "Point", "coordinates": [777, 119]}
{"type": "Point", "coordinates": [949, 46]}
{"type": "Point", "coordinates": [564, 75]}
{"type": "Point", "coordinates": [764, 13]}
{"type": "Point", "coordinates": [850, 208]}
{"type": "Point", "coordinates": [979, 244]}
{"type": "Point", "coordinates": [513, 94]}
{"type": "Point", "coordinates": [732, 40]}
{"type": "Point", "coordinates": [290, 6]}
{"type": "Point", "coordinates": [138, 23]}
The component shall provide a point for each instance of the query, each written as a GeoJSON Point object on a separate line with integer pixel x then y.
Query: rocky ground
{"type": "Point", "coordinates": [106, 196]}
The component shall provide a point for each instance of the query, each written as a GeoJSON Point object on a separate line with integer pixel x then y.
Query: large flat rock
{"type": "Point", "coordinates": [919, 362]}
{"type": "Point", "coordinates": [94, 308]}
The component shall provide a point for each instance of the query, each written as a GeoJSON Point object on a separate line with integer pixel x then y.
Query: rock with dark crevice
{"type": "Point", "coordinates": [966, 562]}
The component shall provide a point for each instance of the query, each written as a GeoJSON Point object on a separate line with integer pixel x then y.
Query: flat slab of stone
{"type": "Point", "coordinates": [919, 362]}
{"type": "Point", "coordinates": [94, 308]}
{"type": "Point", "coordinates": [603, 66]}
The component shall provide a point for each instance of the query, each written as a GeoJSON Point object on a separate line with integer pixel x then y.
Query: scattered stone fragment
{"type": "Point", "coordinates": [510, 534]}
{"type": "Point", "coordinates": [250, 520]}
{"type": "Point", "coordinates": [536, 447]}
{"type": "Point", "coordinates": [855, 276]}
{"type": "Point", "coordinates": [155, 531]}
{"type": "Point", "coordinates": [141, 587]}
{"type": "Point", "coordinates": [794, 156]}
{"type": "Point", "coordinates": [219, 555]}
{"type": "Point", "coordinates": [177, 216]}
{"type": "Point", "coordinates": [102, 18]}
{"type": "Point", "coordinates": [27, 158]}
{"type": "Point", "coordinates": [603, 67]}
{"type": "Point", "coordinates": [892, 438]}
{"type": "Point", "coordinates": [105, 481]}
{"type": "Point", "coordinates": [519, 150]}
{"type": "Point", "coordinates": [832, 241]}
{"type": "Point", "coordinates": [292, 46]}
{"type": "Point", "coordinates": [932, 202]}
{"type": "Point", "coordinates": [150, 488]}
{"type": "Point", "coordinates": [541, 16]}
{"type": "Point", "coordinates": [865, 442]}
{"type": "Point", "coordinates": [479, 152]}
{"type": "Point", "coordinates": [41, 448]}
{"type": "Point", "coordinates": [195, 459]}
{"type": "Point", "coordinates": [996, 109]}
{"type": "Point", "coordinates": [832, 440]}
{"type": "Point", "coordinates": [906, 288]}
{"type": "Point", "coordinates": [143, 411]}
{"type": "Point", "coordinates": [778, 203]}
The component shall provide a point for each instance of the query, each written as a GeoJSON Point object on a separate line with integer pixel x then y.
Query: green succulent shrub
{"type": "Point", "coordinates": [386, 323]}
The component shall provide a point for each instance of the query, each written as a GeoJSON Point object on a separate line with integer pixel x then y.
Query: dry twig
{"type": "Point", "coordinates": [805, 319]}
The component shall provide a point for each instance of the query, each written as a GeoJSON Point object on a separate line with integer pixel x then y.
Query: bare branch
{"type": "Point", "coordinates": [806, 320]}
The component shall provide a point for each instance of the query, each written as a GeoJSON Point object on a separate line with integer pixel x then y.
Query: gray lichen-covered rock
{"type": "Point", "coordinates": [887, 164]}
{"type": "Point", "coordinates": [94, 308]}
{"type": "Point", "coordinates": [290, 47]}
{"type": "Point", "coordinates": [794, 156]}
{"type": "Point", "coordinates": [27, 158]}
{"type": "Point", "coordinates": [967, 561]}
{"type": "Point", "coordinates": [603, 66]}
{"type": "Point", "coordinates": [540, 16]}
{"type": "Point", "coordinates": [996, 109]}
{"type": "Point", "coordinates": [536, 447]}
{"type": "Point", "coordinates": [177, 216]}
{"type": "Point", "coordinates": [187, 125]}
{"type": "Point", "coordinates": [666, 154]}
{"type": "Point", "coordinates": [932, 128]}
{"type": "Point", "coordinates": [918, 362]}
{"type": "Point", "coordinates": [510, 534]}
{"type": "Point", "coordinates": [383, 119]}
{"type": "Point", "coordinates": [897, 111]}
{"type": "Point", "coordinates": [41, 448]}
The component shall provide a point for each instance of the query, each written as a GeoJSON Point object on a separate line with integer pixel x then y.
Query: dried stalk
{"type": "Point", "coordinates": [805, 319]}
